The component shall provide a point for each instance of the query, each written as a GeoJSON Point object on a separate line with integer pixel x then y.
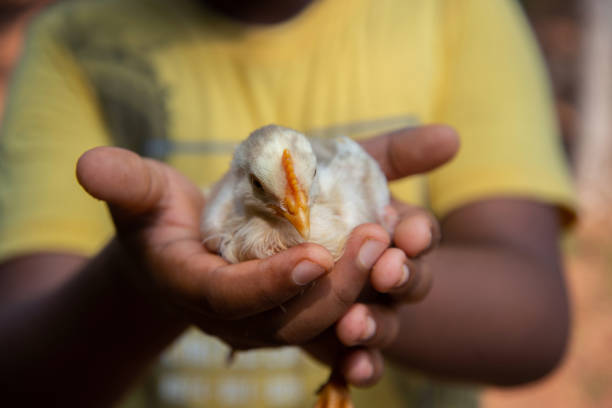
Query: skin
{"type": "Point", "coordinates": [111, 316]}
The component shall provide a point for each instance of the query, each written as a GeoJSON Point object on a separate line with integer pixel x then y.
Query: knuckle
{"type": "Point", "coordinates": [343, 297]}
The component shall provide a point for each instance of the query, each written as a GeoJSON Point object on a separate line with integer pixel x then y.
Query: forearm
{"type": "Point", "coordinates": [85, 342]}
{"type": "Point", "coordinates": [493, 315]}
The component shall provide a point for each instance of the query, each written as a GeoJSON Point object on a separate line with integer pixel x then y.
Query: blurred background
{"type": "Point", "coordinates": [576, 39]}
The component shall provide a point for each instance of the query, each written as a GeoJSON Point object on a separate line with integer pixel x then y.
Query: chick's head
{"type": "Point", "coordinates": [276, 169]}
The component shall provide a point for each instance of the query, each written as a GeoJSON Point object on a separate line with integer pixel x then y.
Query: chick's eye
{"type": "Point", "coordinates": [256, 183]}
{"type": "Point", "coordinates": [314, 173]}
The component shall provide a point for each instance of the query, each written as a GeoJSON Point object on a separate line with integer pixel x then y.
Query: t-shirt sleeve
{"type": "Point", "coordinates": [50, 120]}
{"type": "Point", "coordinates": [495, 93]}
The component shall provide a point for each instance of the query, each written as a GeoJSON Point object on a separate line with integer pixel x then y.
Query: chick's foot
{"type": "Point", "coordinates": [334, 394]}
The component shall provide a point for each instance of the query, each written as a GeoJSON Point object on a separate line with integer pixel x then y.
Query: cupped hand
{"type": "Point", "coordinates": [266, 302]}
{"type": "Point", "coordinates": [293, 297]}
{"type": "Point", "coordinates": [372, 323]}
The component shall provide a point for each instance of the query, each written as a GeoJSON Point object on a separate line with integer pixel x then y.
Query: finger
{"type": "Point", "coordinates": [417, 282]}
{"type": "Point", "coordinates": [324, 303]}
{"type": "Point", "coordinates": [136, 188]}
{"type": "Point", "coordinates": [121, 178]}
{"type": "Point", "coordinates": [362, 367]}
{"type": "Point", "coordinates": [415, 150]}
{"type": "Point", "coordinates": [368, 325]}
{"type": "Point", "coordinates": [392, 271]}
{"type": "Point", "coordinates": [232, 291]}
{"type": "Point", "coordinates": [406, 280]}
{"type": "Point", "coordinates": [417, 231]}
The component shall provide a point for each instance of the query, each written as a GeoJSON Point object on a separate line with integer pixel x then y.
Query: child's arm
{"type": "Point", "coordinates": [498, 309]}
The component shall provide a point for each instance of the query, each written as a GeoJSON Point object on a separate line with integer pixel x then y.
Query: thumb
{"type": "Point", "coordinates": [123, 179]}
{"type": "Point", "coordinates": [410, 151]}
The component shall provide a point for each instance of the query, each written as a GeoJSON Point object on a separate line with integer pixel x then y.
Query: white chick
{"type": "Point", "coordinates": [283, 189]}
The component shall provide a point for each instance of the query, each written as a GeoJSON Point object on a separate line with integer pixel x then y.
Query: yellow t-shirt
{"type": "Point", "coordinates": [175, 81]}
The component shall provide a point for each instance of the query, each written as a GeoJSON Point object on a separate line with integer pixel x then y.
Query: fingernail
{"type": "Point", "coordinates": [404, 278]}
{"type": "Point", "coordinates": [369, 253]}
{"type": "Point", "coordinates": [306, 271]}
{"type": "Point", "coordinates": [370, 329]}
{"type": "Point", "coordinates": [364, 368]}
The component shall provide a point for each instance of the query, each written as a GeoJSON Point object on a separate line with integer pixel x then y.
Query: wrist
{"type": "Point", "coordinates": [130, 281]}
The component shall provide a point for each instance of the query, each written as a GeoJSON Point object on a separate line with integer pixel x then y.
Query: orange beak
{"type": "Point", "coordinates": [296, 201]}
{"type": "Point", "coordinates": [298, 214]}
